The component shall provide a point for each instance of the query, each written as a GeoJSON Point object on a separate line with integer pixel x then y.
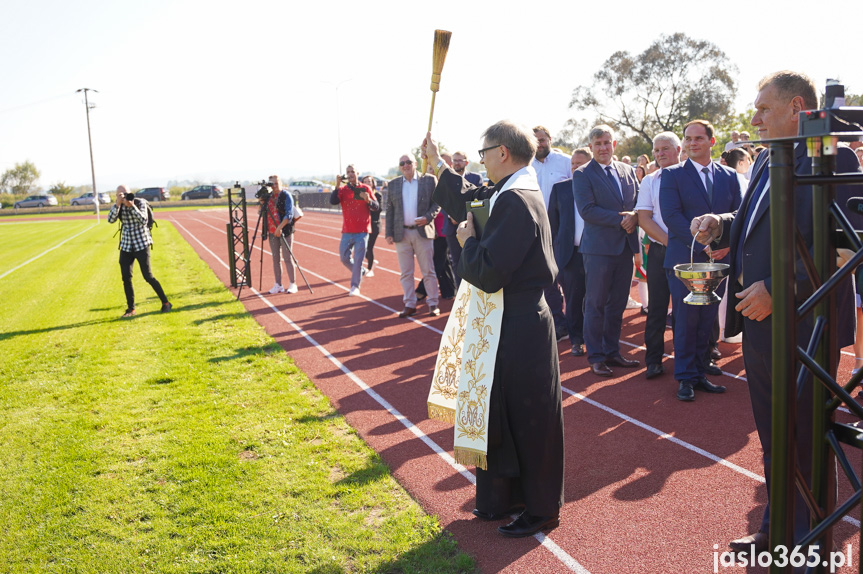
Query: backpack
{"type": "Point", "coordinates": [145, 205]}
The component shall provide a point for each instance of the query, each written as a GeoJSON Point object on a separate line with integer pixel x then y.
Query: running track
{"type": "Point", "coordinates": [651, 483]}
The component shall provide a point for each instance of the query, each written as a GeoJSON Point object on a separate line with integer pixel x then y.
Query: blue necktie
{"type": "Point", "coordinates": [708, 184]}
{"type": "Point", "coordinates": [613, 181]}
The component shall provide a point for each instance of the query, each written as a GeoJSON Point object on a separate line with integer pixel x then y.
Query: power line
{"type": "Point", "coordinates": [30, 105]}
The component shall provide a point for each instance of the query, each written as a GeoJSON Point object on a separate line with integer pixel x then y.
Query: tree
{"type": "Point", "coordinates": [676, 79]}
{"type": "Point", "coordinates": [60, 188]}
{"type": "Point", "coordinates": [19, 179]}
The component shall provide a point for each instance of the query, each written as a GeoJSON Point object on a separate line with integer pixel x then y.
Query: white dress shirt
{"type": "Point", "coordinates": [410, 190]}
{"type": "Point", "coordinates": [648, 199]}
{"type": "Point", "coordinates": [556, 167]}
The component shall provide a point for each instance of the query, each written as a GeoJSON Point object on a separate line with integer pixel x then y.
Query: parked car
{"type": "Point", "coordinates": [154, 194]}
{"type": "Point", "coordinates": [87, 199]}
{"type": "Point", "coordinates": [309, 186]}
{"type": "Point", "coordinates": [37, 201]}
{"type": "Point", "coordinates": [203, 192]}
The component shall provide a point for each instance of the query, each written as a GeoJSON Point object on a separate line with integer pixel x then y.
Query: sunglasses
{"type": "Point", "coordinates": [406, 162]}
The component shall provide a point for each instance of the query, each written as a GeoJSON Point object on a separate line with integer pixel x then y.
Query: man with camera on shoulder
{"type": "Point", "coordinates": [357, 201]}
{"type": "Point", "coordinates": [277, 208]}
{"type": "Point", "coordinates": [135, 242]}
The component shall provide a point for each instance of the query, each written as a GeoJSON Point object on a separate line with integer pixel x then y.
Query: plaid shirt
{"type": "Point", "coordinates": [134, 236]}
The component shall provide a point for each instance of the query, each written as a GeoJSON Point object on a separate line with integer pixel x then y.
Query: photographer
{"type": "Point", "coordinates": [135, 242]}
{"type": "Point", "coordinates": [277, 208]}
{"type": "Point", "coordinates": [357, 204]}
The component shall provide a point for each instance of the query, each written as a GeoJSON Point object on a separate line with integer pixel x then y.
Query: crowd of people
{"type": "Point", "coordinates": [566, 238]}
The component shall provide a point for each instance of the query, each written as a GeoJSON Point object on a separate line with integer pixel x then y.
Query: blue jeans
{"type": "Point", "coordinates": [357, 243]}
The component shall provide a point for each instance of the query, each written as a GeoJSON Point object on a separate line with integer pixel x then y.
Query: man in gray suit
{"type": "Point", "coordinates": [605, 194]}
{"type": "Point", "coordinates": [410, 226]}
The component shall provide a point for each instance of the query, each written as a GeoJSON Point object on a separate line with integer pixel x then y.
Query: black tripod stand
{"type": "Point", "coordinates": [263, 212]}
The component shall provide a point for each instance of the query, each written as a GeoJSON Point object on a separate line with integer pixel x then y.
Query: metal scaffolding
{"type": "Point", "coordinates": [238, 238]}
{"type": "Point", "coordinates": [810, 366]}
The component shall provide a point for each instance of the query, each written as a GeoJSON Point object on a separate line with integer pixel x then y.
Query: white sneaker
{"type": "Point", "coordinates": [370, 273]}
{"type": "Point", "coordinates": [277, 289]}
{"type": "Point", "coordinates": [292, 288]}
{"type": "Point", "coordinates": [633, 304]}
{"type": "Point", "coordinates": [737, 339]}
{"type": "Point", "coordinates": [354, 291]}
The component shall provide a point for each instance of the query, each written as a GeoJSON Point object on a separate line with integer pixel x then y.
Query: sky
{"type": "Point", "coordinates": [217, 91]}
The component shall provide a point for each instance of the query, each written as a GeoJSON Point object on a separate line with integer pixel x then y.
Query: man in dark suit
{"type": "Point", "coordinates": [567, 227]}
{"type": "Point", "coordinates": [694, 187]}
{"type": "Point", "coordinates": [781, 98]}
{"type": "Point", "coordinates": [459, 165]}
{"type": "Point", "coordinates": [410, 226]}
{"type": "Point", "coordinates": [605, 194]}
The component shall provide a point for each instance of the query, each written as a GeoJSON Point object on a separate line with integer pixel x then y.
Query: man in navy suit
{"type": "Point", "coordinates": [781, 98]}
{"type": "Point", "coordinates": [605, 194]}
{"type": "Point", "coordinates": [687, 190]}
{"type": "Point", "coordinates": [567, 228]}
{"type": "Point", "coordinates": [459, 165]}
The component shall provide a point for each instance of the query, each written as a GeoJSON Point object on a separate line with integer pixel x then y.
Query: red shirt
{"type": "Point", "coordinates": [356, 217]}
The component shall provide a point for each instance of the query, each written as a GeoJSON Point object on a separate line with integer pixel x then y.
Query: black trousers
{"type": "Point", "coordinates": [659, 295]}
{"type": "Point", "coordinates": [370, 246]}
{"type": "Point", "coordinates": [127, 262]}
{"type": "Point", "coordinates": [571, 278]}
{"type": "Point", "coordinates": [443, 270]}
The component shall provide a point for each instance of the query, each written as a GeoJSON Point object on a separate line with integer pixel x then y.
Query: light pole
{"type": "Point", "coordinates": [338, 117]}
{"type": "Point", "coordinates": [90, 140]}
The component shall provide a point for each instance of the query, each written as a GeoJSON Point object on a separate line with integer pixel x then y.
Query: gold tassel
{"type": "Point", "coordinates": [472, 457]}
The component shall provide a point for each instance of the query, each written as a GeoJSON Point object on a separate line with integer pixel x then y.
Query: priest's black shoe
{"type": "Point", "coordinates": [703, 384]}
{"type": "Point", "coordinates": [715, 353]}
{"type": "Point", "coordinates": [578, 350]}
{"type": "Point", "coordinates": [619, 361]}
{"type": "Point", "coordinates": [686, 392]}
{"type": "Point", "coordinates": [490, 516]}
{"type": "Point", "coordinates": [711, 369]}
{"type": "Point", "coordinates": [654, 370]}
{"type": "Point", "coordinates": [528, 525]}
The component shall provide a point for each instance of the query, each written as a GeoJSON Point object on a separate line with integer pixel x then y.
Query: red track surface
{"type": "Point", "coordinates": [652, 484]}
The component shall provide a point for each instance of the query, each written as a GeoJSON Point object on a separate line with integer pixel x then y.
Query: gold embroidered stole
{"type": "Point", "coordinates": [464, 371]}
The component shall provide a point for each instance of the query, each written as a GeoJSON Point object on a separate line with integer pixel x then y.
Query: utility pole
{"type": "Point", "coordinates": [90, 140]}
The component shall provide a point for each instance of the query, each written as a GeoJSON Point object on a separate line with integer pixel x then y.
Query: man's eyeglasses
{"type": "Point", "coordinates": [405, 162]}
{"type": "Point", "coordinates": [482, 151]}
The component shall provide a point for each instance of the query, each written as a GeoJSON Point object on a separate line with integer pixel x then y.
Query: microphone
{"type": "Point", "coordinates": [855, 204]}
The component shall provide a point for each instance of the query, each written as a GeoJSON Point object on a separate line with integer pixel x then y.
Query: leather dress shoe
{"type": "Point", "coordinates": [715, 353]}
{"type": "Point", "coordinates": [528, 525]}
{"type": "Point", "coordinates": [685, 392]}
{"type": "Point", "coordinates": [434, 311]}
{"type": "Point", "coordinates": [759, 540]}
{"type": "Point", "coordinates": [578, 350]}
{"type": "Point", "coordinates": [703, 384]}
{"type": "Point", "coordinates": [654, 370]}
{"type": "Point", "coordinates": [407, 312]}
{"type": "Point", "coordinates": [619, 361]}
{"type": "Point", "coordinates": [712, 369]}
{"type": "Point", "coordinates": [491, 516]}
{"type": "Point", "coordinates": [600, 369]}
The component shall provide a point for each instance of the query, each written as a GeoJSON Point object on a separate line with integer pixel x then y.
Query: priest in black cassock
{"type": "Point", "coordinates": [514, 253]}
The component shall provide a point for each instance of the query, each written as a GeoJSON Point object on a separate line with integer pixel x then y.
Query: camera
{"type": "Point", "coordinates": [265, 190]}
{"type": "Point", "coordinates": [129, 196]}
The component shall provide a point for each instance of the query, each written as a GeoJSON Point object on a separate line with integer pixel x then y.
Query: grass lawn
{"type": "Point", "coordinates": [178, 442]}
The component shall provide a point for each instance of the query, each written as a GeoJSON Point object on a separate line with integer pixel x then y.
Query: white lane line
{"type": "Point", "coordinates": [46, 251]}
{"type": "Point", "coordinates": [651, 429]}
{"type": "Point", "coordinates": [544, 540]}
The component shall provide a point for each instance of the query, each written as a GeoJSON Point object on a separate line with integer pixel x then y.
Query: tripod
{"type": "Point", "coordinates": [269, 218]}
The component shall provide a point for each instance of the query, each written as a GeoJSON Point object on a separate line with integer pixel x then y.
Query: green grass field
{"type": "Point", "coordinates": [178, 442]}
